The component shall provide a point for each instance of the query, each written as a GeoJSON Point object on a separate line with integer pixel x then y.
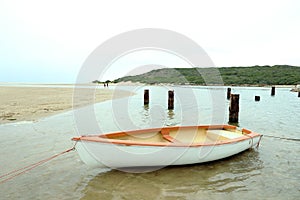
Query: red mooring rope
{"type": "Point", "coordinates": [10, 175]}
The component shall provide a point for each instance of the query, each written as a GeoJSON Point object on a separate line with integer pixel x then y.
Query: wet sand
{"type": "Point", "coordinates": [33, 103]}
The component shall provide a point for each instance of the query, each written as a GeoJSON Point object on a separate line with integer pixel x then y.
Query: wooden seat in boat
{"type": "Point", "coordinates": [165, 132]}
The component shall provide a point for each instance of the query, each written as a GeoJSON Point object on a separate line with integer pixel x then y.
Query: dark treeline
{"type": "Point", "coordinates": [256, 75]}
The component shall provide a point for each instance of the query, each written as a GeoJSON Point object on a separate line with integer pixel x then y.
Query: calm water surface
{"type": "Point", "coordinates": [269, 172]}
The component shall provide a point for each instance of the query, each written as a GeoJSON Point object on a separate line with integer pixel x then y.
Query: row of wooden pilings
{"type": "Point", "coordinates": [257, 98]}
{"type": "Point", "coordinates": [170, 98]}
{"type": "Point", "coordinates": [233, 106]}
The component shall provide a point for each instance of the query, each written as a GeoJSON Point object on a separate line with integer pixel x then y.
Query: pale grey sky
{"type": "Point", "coordinates": [48, 41]}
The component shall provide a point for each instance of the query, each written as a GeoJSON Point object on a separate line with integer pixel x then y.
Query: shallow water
{"type": "Point", "coordinates": [270, 172]}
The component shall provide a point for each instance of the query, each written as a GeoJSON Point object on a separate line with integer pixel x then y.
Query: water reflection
{"type": "Point", "coordinates": [188, 182]}
{"type": "Point", "coordinates": [157, 116]}
{"type": "Point", "coordinates": [171, 114]}
{"type": "Point", "coordinates": [234, 124]}
{"type": "Point", "coordinates": [146, 107]}
{"type": "Point", "coordinates": [237, 174]}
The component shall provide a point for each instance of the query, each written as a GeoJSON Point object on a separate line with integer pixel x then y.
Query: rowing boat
{"type": "Point", "coordinates": [178, 145]}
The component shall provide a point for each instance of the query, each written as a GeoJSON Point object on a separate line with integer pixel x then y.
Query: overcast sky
{"type": "Point", "coordinates": [48, 41]}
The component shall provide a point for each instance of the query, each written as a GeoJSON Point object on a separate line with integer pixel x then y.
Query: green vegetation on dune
{"type": "Point", "coordinates": [256, 75]}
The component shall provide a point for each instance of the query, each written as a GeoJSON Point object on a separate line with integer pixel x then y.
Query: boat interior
{"type": "Point", "coordinates": [181, 135]}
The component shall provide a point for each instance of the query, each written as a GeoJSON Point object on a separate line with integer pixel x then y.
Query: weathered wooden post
{"type": "Point", "coordinates": [299, 94]}
{"type": "Point", "coordinates": [171, 99]}
{"type": "Point", "coordinates": [146, 97]}
{"type": "Point", "coordinates": [234, 108]}
{"type": "Point", "coordinates": [257, 98]}
{"type": "Point", "coordinates": [228, 93]}
{"type": "Point", "coordinates": [273, 91]}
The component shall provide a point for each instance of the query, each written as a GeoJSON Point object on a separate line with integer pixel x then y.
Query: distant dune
{"type": "Point", "coordinates": [256, 75]}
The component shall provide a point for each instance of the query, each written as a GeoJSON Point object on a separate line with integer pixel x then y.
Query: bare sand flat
{"type": "Point", "coordinates": [32, 103]}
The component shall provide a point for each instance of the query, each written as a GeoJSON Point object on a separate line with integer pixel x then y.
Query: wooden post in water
{"type": "Point", "coordinates": [273, 91]}
{"type": "Point", "coordinates": [171, 99]}
{"type": "Point", "coordinates": [228, 93]}
{"type": "Point", "coordinates": [299, 94]}
{"type": "Point", "coordinates": [146, 97]}
{"type": "Point", "coordinates": [234, 108]}
{"type": "Point", "coordinates": [257, 98]}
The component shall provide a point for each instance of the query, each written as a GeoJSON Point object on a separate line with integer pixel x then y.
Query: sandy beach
{"type": "Point", "coordinates": [33, 103]}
